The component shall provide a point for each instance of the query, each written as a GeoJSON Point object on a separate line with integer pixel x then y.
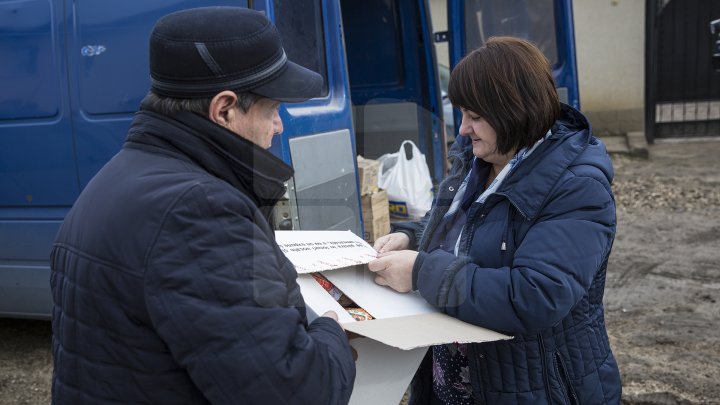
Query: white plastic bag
{"type": "Point", "coordinates": [407, 182]}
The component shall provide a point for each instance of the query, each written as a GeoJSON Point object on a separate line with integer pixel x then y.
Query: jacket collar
{"type": "Point", "coordinates": [529, 184]}
{"type": "Point", "coordinates": [527, 188]}
{"type": "Point", "coordinates": [246, 166]}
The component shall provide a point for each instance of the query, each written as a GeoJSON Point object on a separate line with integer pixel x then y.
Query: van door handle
{"type": "Point", "coordinates": [92, 50]}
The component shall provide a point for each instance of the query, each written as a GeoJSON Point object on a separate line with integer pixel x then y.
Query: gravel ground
{"type": "Point", "coordinates": [662, 289]}
{"type": "Point", "coordinates": [25, 362]}
{"type": "Point", "coordinates": [663, 279]}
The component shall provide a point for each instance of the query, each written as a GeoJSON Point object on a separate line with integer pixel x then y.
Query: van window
{"type": "Point", "coordinates": [375, 56]}
{"type": "Point", "coordinates": [301, 27]}
{"type": "Point", "coordinates": [533, 20]}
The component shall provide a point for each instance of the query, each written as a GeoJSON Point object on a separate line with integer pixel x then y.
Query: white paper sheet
{"type": "Point", "coordinates": [312, 251]}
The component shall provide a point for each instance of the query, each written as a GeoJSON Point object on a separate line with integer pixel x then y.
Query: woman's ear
{"type": "Point", "coordinates": [221, 107]}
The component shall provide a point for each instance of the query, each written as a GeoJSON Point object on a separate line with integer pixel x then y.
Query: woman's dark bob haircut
{"type": "Point", "coordinates": [508, 83]}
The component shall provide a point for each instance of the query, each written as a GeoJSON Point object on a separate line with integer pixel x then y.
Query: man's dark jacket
{"type": "Point", "coordinates": [169, 287]}
{"type": "Point", "coordinates": [531, 263]}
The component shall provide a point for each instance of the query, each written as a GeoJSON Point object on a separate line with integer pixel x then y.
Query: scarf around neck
{"type": "Point", "coordinates": [521, 155]}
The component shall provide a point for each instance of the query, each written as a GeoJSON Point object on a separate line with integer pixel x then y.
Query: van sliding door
{"type": "Point", "coordinates": [38, 177]}
{"type": "Point", "coordinates": [108, 59]}
{"type": "Point", "coordinates": [37, 167]}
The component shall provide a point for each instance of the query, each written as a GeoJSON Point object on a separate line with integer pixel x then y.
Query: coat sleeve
{"type": "Point", "coordinates": [413, 229]}
{"type": "Point", "coordinates": [217, 293]}
{"type": "Point", "coordinates": [552, 268]}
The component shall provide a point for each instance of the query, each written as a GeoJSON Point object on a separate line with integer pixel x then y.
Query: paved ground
{"type": "Point", "coordinates": [662, 292]}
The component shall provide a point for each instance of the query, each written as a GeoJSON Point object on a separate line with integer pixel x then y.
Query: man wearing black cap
{"type": "Point", "coordinates": [167, 281]}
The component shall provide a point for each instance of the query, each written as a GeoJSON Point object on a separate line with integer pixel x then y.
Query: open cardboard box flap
{"type": "Point", "coordinates": [405, 325]}
{"type": "Point", "coordinates": [410, 332]}
{"type": "Point", "coordinates": [405, 321]}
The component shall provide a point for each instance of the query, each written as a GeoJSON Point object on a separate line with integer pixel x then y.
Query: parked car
{"type": "Point", "coordinates": [715, 31]}
{"type": "Point", "coordinates": [444, 73]}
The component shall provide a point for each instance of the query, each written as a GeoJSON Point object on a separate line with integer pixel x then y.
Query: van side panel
{"type": "Point", "coordinates": [72, 74]}
{"type": "Point", "coordinates": [24, 272]}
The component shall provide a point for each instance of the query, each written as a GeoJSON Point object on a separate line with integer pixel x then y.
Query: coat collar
{"type": "Point", "coordinates": [529, 184]}
{"type": "Point", "coordinates": [246, 166]}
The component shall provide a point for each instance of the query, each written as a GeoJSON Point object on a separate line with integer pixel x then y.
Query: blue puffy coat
{"type": "Point", "coordinates": [169, 287]}
{"type": "Point", "coordinates": [531, 264]}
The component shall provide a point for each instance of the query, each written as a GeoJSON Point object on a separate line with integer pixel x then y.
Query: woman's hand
{"type": "Point", "coordinates": [394, 269]}
{"type": "Point", "coordinates": [392, 241]}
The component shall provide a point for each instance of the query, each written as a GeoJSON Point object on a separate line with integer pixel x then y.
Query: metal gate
{"type": "Point", "coordinates": [682, 88]}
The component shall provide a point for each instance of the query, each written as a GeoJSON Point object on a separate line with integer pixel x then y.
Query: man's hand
{"type": "Point", "coordinates": [350, 335]}
{"type": "Point", "coordinates": [333, 315]}
{"type": "Point", "coordinates": [391, 242]}
{"type": "Point", "coordinates": [394, 269]}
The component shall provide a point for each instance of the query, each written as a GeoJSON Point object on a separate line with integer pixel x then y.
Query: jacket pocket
{"type": "Point", "coordinates": [564, 380]}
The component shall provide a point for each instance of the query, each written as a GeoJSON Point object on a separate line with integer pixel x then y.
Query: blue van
{"type": "Point", "coordinates": [72, 73]}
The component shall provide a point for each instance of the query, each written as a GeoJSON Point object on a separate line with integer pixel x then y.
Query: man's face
{"type": "Point", "coordinates": [259, 123]}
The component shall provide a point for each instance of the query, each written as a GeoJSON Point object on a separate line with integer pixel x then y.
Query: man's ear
{"type": "Point", "coordinates": [221, 107]}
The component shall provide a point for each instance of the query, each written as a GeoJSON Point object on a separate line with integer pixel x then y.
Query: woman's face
{"type": "Point", "coordinates": [483, 136]}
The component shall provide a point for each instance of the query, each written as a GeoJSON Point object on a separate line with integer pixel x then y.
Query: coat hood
{"type": "Point", "coordinates": [571, 146]}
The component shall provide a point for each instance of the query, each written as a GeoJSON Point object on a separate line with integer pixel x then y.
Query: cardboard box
{"type": "Point", "coordinates": [375, 227]}
{"type": "Point", "coordinates": [405, 325]}
{"type": "Point", "coordinates": [367, 175]}
{"type": "Point", "coordinates": [376, 215]}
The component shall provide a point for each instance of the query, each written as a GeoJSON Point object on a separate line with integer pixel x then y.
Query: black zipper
{"type": "Point", "coordinates": [509, 218]}
{"type": "Point", "coordinates": [522, 213]}
{"type": "Point", "coordinates": [544, 368]}
{"type": "Point", "coordinates": [564, 379]}
{"type": "Point", "coordinates": [475, 381]}
{"type": "Point", "coordinates": [476, 216]}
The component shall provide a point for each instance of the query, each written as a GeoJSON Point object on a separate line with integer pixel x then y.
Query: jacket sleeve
{"type": "Point", "coordinates": [217, 294]}
{"type": "Point", "coordinates": [413, 229]}
{"type": "Point", "coordinates": [552, 268]}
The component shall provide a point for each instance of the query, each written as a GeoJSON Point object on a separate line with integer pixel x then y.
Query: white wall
{"type": "Point", "coordinates": [610, 45]}
{"type": "Point", "coordinates": [438, 14]}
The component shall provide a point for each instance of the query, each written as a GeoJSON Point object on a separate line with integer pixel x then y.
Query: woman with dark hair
{"type": "Point", "coordinates": [517, 241]}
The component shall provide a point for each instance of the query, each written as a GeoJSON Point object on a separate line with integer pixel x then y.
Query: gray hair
{"type": "Point", "coordinates": [169, 106]}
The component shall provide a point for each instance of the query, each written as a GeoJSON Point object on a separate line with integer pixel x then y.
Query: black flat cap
{"type": "Point", "coordinates": [200, 52]}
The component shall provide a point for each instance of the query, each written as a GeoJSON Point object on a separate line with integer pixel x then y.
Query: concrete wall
{"type": "Point", "coordinates": [610, 42]}
{"type": "Point", "coordinates": [438, 14]}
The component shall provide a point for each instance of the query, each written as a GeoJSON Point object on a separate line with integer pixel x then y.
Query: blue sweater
{"type": "Point", "coordinates": [531, 264]}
